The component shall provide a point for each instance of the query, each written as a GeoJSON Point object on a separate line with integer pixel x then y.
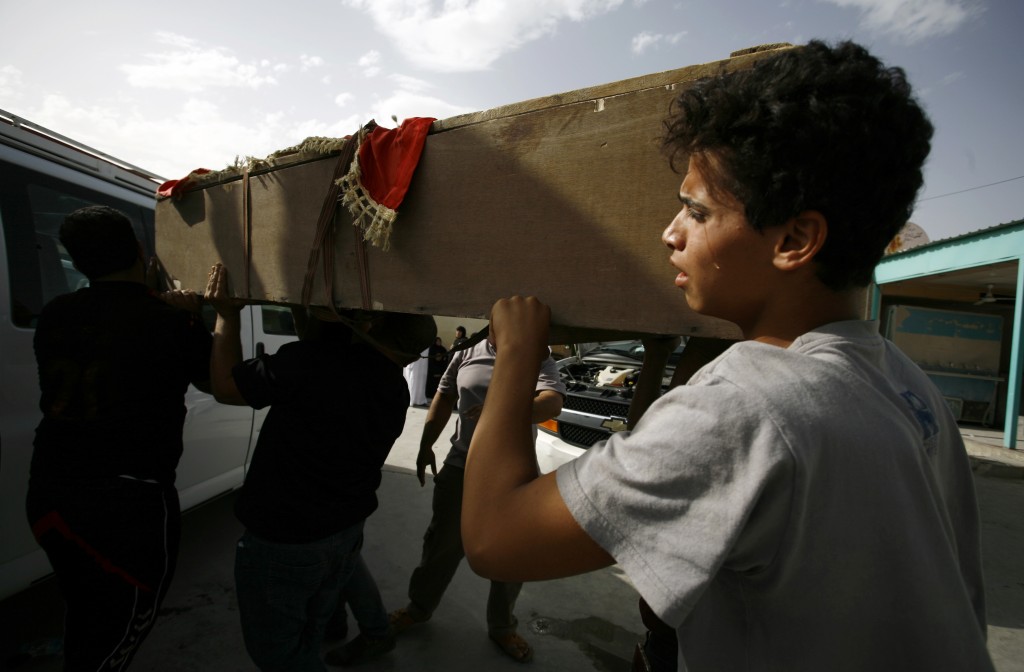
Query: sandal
{"type": "Point", "coordinates": [514, 646]}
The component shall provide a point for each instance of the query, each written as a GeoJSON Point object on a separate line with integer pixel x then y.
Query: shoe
{"type": "Point", "coordinates": [401, 620]}
{"type": "Point", "coordinates": [360, 650]}
{"type": "Point", "coordinates": [514, 646]}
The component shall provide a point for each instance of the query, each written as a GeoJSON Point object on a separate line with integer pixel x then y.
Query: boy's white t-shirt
{"type": "Point", "coordinates": [807, 508]}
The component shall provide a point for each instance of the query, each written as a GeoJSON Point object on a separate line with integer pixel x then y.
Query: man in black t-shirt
{"type": "Point", "coordinates": [460, 336]}
{"type": "Point", "coordinates": [114, 364]}
{"type": "Point", "coordinates": [338, 401]}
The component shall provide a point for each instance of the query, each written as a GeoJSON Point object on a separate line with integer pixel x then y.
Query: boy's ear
{"type": "Point", "coordinates": [800, 240]}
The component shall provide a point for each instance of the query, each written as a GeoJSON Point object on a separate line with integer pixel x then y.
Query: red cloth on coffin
{"type": "Point", "coordinates": [388, 158]}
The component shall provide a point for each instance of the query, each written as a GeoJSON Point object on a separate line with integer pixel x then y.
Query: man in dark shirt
{"type": "Point", "coordinates": [114, 364]}
{"type": "Point", "coordinates": [338, 402]}
{"type": "Point", "coordinates": [460, 336]}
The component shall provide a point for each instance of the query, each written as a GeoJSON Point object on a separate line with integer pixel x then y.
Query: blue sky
{"type": "Point", "coordinates": [174, 86]}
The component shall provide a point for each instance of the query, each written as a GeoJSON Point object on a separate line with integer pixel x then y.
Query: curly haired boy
{"type": "Point", "coordinates": [805, 501]}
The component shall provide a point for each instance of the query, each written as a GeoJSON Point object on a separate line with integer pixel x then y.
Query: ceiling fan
{"type": "Point", "coordinates": [989, 297]}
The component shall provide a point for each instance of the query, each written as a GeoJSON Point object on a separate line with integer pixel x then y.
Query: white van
{"type": "Point", "coordinates": [43, 177]}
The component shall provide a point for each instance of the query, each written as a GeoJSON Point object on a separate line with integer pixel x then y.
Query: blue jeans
{"type": "Point", "coordinates": [287, 593]}
{"type": "Point", "coordinates": [363, 597]}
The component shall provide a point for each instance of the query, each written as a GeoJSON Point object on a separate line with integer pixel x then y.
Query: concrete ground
{"type": "Point", "coordinates": [583, 623]}
{"type": "Point", "coordinates": [989, 457]}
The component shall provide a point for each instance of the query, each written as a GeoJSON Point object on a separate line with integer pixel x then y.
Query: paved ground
{"type": "Point", "coordinates": [985, 447]}
{"type": "Point", "coordinates": [1001, 501]}
{"type": "Point", "coordinates": [584, 623]}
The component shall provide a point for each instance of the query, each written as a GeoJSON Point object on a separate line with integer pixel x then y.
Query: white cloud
{"type": "Point", "coordinates": [952, 77]}
{"type": "Point", "coordinates": [175, 40]}
{"type": "Point", "coordinates": [645, 40]}
{"type": "Point", "coordinates": [947, 80]}
{"type": "Point", "coordinates": [405, 104]}
{"type": "Point", "coordinates": [211, 134]}
{"type": "Point", "coordinates": [370, 63]}
{"type": "Point", "coordinates": [10, 82]}
{"type": "Point", "coordinates": [407, 83]}
{"type": "Point", "coordinates": [301, 130]}
{"type": "Point", "coordinates": [310, 62]}
{"type": "Point", "coordinates": [913, 20]}
{"type": "Point", "coordinates": [57, 111]}
{"type": "Point", "coordinates": [203, 134]}
{"type": "Point", "coordinates": [642, 41]}
{"type": "Point", "coordinates": [187, 66]}
{"type": "Point", "coordinates": [469, 35]}
{"type": "Point", "coordinates": [206, 135]}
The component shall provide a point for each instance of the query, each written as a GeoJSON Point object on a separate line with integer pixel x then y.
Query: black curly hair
{"type": "Point", "coordinates": [813, 128]}
{"type": "Point", "coordinates": [100, 240]}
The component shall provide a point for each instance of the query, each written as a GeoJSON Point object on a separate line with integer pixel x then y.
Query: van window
{"type": "Point", "coordinates": [278, 320]}
{"type": "Point", "coordinates": [32, 208]}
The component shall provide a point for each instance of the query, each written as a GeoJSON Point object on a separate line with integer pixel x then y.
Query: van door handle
{"type": "Point", "coordinates": [260, 349]}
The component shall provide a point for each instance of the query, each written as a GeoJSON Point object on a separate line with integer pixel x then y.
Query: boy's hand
{"type": "Point", "coordinates": [424, 459]}
{"type": "Point", "coordinates": [520, 324]}
{"type": "Point", "coordinates": [217, 292]}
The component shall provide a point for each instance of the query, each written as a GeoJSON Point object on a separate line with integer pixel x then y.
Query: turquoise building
{"type": "Point", "coordinates": [955, 306]}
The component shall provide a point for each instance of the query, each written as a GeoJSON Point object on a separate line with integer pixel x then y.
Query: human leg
{"type": "Point", "coordinates": [113, 545]}
{"type": "Point", "coordinates": [660, 646]}
{"type": "Point", "coordinates": [502, 622]}
{"type": "Point", "coordinates": [376, 636]}
{"type": "Point", "coordinates": [442, 546]}
{"type": "Point", "coordinates": [273, 595]}
{"type": "Point", "coordinates": [287, 593]}
{"type": "Point", "coordinates": [501, 602]}
{"type": "Point", "coordinates": [337, 627]}
{"type": "Point", "coordinates": [363, 598]}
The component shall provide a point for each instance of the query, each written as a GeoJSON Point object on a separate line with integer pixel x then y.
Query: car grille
{"type": "Point", "coordinates": [583, 437]}
{"type": "Point", "coordinates": [596, 406]}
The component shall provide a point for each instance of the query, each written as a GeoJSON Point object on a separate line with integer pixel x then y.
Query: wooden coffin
{"type": "Point", "coordinates": [563, 197]}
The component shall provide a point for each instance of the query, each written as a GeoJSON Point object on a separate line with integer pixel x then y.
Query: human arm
{"type": "Point", "coordinates": [227, 338]}
{"type": "Point", "coordinates": [441, 408]}
{"type": "Point", "coordinates": [546, 405]}
{"type": "Point", "coordinates": [515, 525]}
{"type": "Point", "coordinates": [184, 299]}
